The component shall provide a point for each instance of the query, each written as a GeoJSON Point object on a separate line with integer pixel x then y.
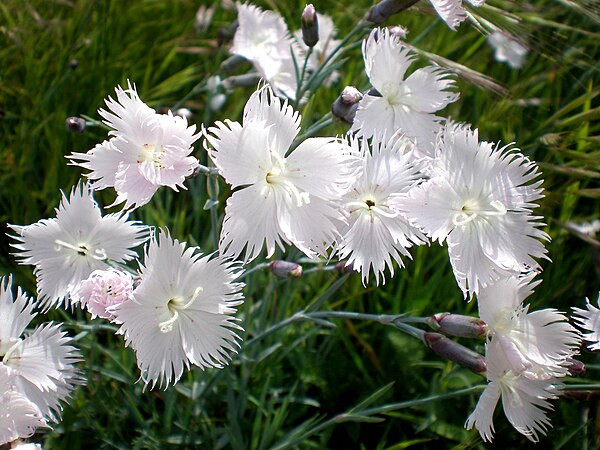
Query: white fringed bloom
{"type": "Point", "coordinates": [182, 312]}
{"type": "Point", "coordinates": [67, 249]}
{"type": "Point", "coordinates": [589, 319]}
{"type": "Point", "coordinates": [452, 11]}
{"type": "Point", "coordinates": [103, 291]}
{"type": "Point", "coordinates": [524, 400]}
{"type": "Point", "coordinates": [536, 344]}
{"type": "Point", "coordinates": [43, 361]}
{"type": "Point", "coordinates": [279, 197]}
{"type": "Point", "coordinates": [376, 232]}
{"type": "Point", "coordinates": [263, 38]}
{"type": "Point", "coordinates": [148, 150]}
{"type": "Point", "coordinates": [508, 49]}
{"type": "Point", "coordinates": [19, 417]}
{"type": "Point", "coordinates": [480, 199]}
{"type": "Point", "coordinates": [406, 105]}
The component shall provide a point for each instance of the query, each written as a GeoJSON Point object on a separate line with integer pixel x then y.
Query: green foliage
{"type": "Point", "coordinates": [297, 383]}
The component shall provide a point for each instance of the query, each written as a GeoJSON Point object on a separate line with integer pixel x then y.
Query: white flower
{"type": "Point", "coordinates": [42, 362]}
{"type": "Point", "coordinates": [524, 400]}
{"type": "Point", "coordinates": [281, 197]}
{"type": "Point", "coordinates": [25, 446]}
{"type": "Point", "coordinates": [103, 291]}
{"type": "Point", "coordinates": [452, 11]}
{"type": "Point", "coordinates": [19, 418]}
{"type": "Point", "coordinates": [67, 249]}
{"type": "Point", "coordinates": [407, 104]}
{"type": "Point", "coordinates": [479, 200]}
{"type": "Point", "coordinates": [263, 38]}
{"type": "Point", "coordinates": [376, 232]}
{"type": "Point", "coordinates": [535, 344]}
{"type": "Point", "coordinates": [508, 49]}
{"type": "Point", "coordinates": [182, 311]}
{"type": "Point", "coordinates": [148, 150]}
{"type": "Point", "coordinates": [589, 319]}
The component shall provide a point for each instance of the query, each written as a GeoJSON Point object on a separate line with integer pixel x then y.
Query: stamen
{"type": "Point", "coordinates": [197, 292]}
{"type": "Point", "coordinates": [11, 350]}
{"type": "Point", "coordinates": [167, 325]}
{"type": "Point", "coordinates": [462, 218]}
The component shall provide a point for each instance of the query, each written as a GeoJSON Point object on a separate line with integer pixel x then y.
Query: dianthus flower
{"type": "Point", "coordinates": [589, 319]}
{"type": "Point", "coordinates": [280, 196]}
{"type": "Point", "coordinates": [452, 11]}
{"type": "Point", "coordinates": [147, 150]}
{"type": "Point", "coordinates": [181, 313]}
{"type": "Point", "coordinates": [479, 199]}
{"type": "Point", "coordinates": [103, 291]}
{"type": "Point", "coordinates": [67, 249]}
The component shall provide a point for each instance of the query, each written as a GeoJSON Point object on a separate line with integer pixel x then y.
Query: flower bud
{"type": "Point", "coordinates": [449, 349]}
{"type": "Point", "coordinates": [387, 8]}
{"type": "Point", "coordinates": [225, 34]}
{"type": "Point", "coordinates": [286, 269]}
{"type": "Point", "coordinates": [310, 26]}
{"type": "Point", "coordinates": [341, 267]}
{"type": "Point", "coordinates": [576, 367]}
{"type": "Point", "coordinates": [245, 80]}
{"type": "Point", "coordinates": [232, 63]}
{"type": "Point", "coordinates": [75, 124]}
{"type": "Point", "coordinates": [345, 106]}
{"type": "Point", "coordinates": [457, 325]}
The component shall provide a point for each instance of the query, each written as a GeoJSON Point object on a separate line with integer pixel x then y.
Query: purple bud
{"type": "Point", "coordinates": [75, 124]}
{"type": "Point", "coordinates": [457, 325]}
{"type": "Point", "coordinates": [245, 80]}
{"type": "Point", "coordinates": [286, 269]}
{"type": "Point", "coordinates": [387, 8]}
{"type": "Point", "coordinates": [576, 367]}
{"type": "Point", "coordinates": [341, 267]}
{"type": "Point", "coordinates": [345, 106]}
{"type": "Point", "coordinates": [449, 349]}
{"type": "Point", "coordinates": [310, 26]}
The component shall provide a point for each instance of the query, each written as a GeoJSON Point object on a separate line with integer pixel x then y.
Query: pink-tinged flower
{"type": "Point", "coordinates": [402, 105]}
{"type": "Point", "coordinates": [67, 249]}
{"type": "Point", "coordinates": [103, 291]}
{"type": "Point", "coordinates": [479, 199]}
{"type": "Point", "coordinates": [524, 400]}
{"type": "Point", "coordinates": [536, 344]}
{"type": "Point", "coordinates": [508, 49]}
{"type": "Point", "coordinates": [147, 150]}
{"type": "Point", "coordinates": [19, 417]}
{"type": "Point", "coordinates": [280, 196]}
{"type": "Point", "coordinates": [452, 11]}
{"type": "Point", "coordinates": [182, 312]}
{"type": "Point", "coordinates": [376, 233]}
{"type": "Point", "coordinates": [42, 363]}
{"type": "Point", "coordinates": [589, 319]}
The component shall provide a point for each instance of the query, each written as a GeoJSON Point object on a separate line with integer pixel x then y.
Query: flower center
{"type": "Point", "coordinates": [174, 305]}
{"type": "Point", "coordinates": [395, 94]}
{"type": "Point", "coordinates": [150, 153]}
{"type": "Point", "coordinates": [277, 177]}
{"type": "Point", "coordinates": [82, 250]}
{"type": "Point", "coordinates": [373, 206]}
{"type": "Point", "coordinates": [472, 209]}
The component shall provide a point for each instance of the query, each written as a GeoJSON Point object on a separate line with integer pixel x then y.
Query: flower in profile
{"type": "Point", "coordinates": [103, 291]}
{"type": "Point", "coordinates": [524, 400]}
{"type": "Point", "coordinates": [479, 199]}
{"type": "Point", "coordinates": [41, 363]}
{"type": "Point", "coordinates": [147, 150]}
{"type": "Point", "coordinates": [67, 249]}
{"type": "Point", "coordinates": [19, 418]}
{"type": "Point", "coordinates": [281, 197]}
{"type": "Point", "coordinates": [182, 311]}
{"type": "Point", "coordinates": [508, 49]}
{"type": "Point", "coordinates": [405, 105]}
{"type": "Point", "coordinates": [452, 11]}
{"type": "Point", "coordinates": [589, 319]}
{"type": "Point", "coordinates": [536, 344]}
{"type": "Point", "coordinates": [376, 232]}
{"type": "Point", "coordinates": [263, 38]}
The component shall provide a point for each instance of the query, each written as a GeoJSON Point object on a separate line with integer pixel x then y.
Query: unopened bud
{"type": "Point", "coordinates": [75, 124]}
{"type": "Point", "coordinates": [457, 325]}
{"type": "Point", "coordinates": [343, 267]}
{"type": "Point", "coordinates": [310, 26]}
{"type": "Point", "coordinates": [449, 349]}
{"type": "Point", "coordinates": [576, 367]}
{"type": "Point", "coordinates": [345, 106]}
{"type": "Point", "coordinates": [225, 34]}
{"type": "Point", "coordinates": [387, 8]}
{"type": "Point", "coordinates": [232, 63]}
{"type": "Point", "coordinates": [246, 80]}
{"type": "Point", "coordinates": [286, 269]}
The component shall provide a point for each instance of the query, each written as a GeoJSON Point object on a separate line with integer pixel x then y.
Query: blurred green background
{"type": "Point", "coordinates": [293, 380]}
